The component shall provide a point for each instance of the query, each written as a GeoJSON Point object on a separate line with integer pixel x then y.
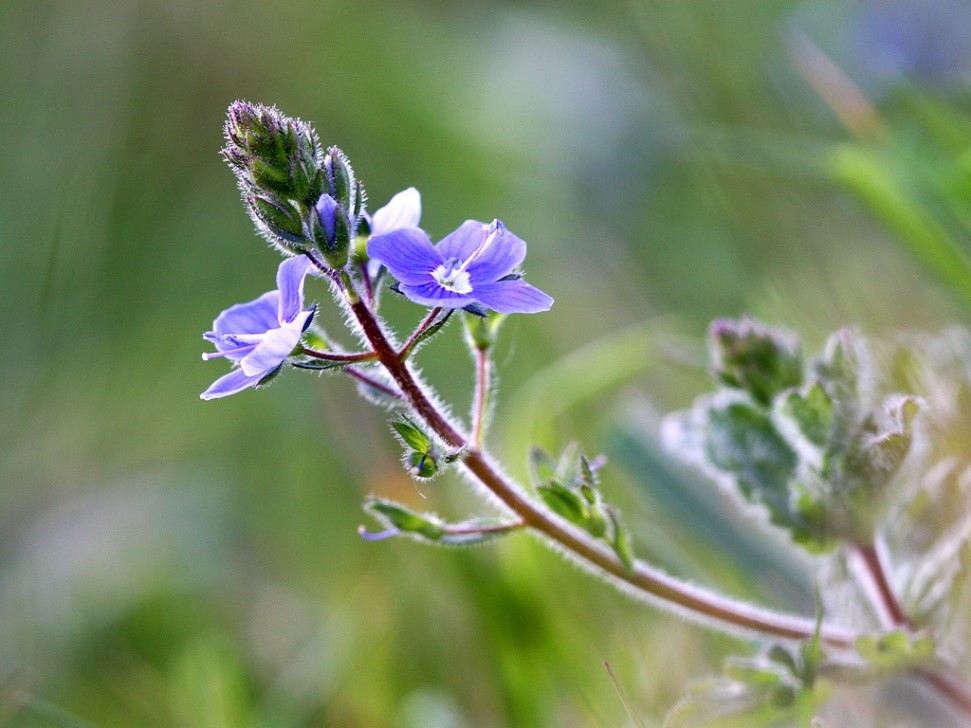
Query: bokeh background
{"type": "Point", "coordinates": [170, 562]}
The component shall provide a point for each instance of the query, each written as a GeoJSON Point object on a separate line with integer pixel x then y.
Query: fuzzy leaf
{"type": "Point", "coordinates": [757, 359]}
{"type": "Point", "coordinates": [412, 435]}
{"type": "Point", "coordinates": [405, 520]}
{"type": "Point", "coordinates": [812, 413]}
{"type": "Point", "coordinates": [564, 502]}
{"type": "Point", "coordinates": [895, 651]}
{"type": "Point", "coordinates": [742, 442]}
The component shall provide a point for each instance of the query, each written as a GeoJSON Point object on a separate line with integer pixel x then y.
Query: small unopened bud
{"type": "Point", "coordinates": [271, 153]}
{"type": "Point", "coordinates": [331, 231]}
{"type": "Point", "coordinates": [341, 177]}
{"type": "Point", "coordinates": [278, 219]}
{"type": "Point", "coordinates": [327, 209]}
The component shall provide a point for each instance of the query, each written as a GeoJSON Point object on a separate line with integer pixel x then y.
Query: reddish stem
{"type": "Point", "coordinates": [479, 409]}
{"type": "Point", "coordinates": [422, 328]}
{"type": "Point", "coordinates": [339, 356]}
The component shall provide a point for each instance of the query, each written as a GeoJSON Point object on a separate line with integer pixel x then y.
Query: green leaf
{"type": "Point", "coordinates": [564, 502]}
{"type": "Point", "coordinates": [760, 360]}
{"type": "Point", "coordinates": [756, 673]}
{"type": "Point", "coordinates": [741, 440]}
{"type": "Point", "coordinates": [431, 330]}
{"type": "Point", "coordinates": [412, 435]}
{"type": "Point", "coordinates": [620, 540]}
{"type": "Point", "coordinates": [320, 365]}
{"type": "Point", "coordinates": [405, 520]}
{"type": "Point", "coordinates": [895, 651]}
{"type": "Point", "coordinates": [812, 413]}
{"type": "Point", "coordinates": [542, 466]}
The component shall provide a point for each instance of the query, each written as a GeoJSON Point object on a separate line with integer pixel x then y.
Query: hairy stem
{"type": "Point", "coordinates": [365, 378]}
{"type": "Point", "coordinates": [338, 356]}
{"type": "Point", "coordinates": [648, 582]}
{"type": "Point", "coordinates": [644, 580]}
{"type": "Point", "coordinates": [893, 616]}
{"type": "Point", "coordinates": [416, 335]}
{"type": "Point", "coordinates": [480, 408]}
{"type": "Point", "coordinates": [880, 592]}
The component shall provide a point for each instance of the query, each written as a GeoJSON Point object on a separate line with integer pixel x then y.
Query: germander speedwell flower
{"type": "Point", "coordinates": [259, 336]}
{"type": "Point", "coordinates": [472, 265]}
{"type": "Point", "coordinates": [403, 210]}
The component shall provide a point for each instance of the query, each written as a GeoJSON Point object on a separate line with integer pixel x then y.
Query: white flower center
{"type": "Point", "coordinates": [451, 275]}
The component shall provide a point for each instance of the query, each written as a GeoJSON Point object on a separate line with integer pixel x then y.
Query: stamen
{"type": "Point", "coordinates": [489, 235]}
{"type": "Point", "coordinates": [451, 277]}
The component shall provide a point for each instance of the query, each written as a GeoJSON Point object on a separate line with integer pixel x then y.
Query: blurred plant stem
{"type": "Point", "coordinates": [639, 578]}
{"type": "Point", "coordinates": [892, 616]}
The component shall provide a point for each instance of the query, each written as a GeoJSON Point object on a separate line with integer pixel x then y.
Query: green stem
{"type": "Point", "coordinates": [480, 408]}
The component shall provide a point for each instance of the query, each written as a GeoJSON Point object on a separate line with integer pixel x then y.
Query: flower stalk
{"type": "Point", "coordinates": [770, 417]}
{"type": "Point", "coordinates": [892, 615]}
{"type": "Point", "coordinates": [647, 582]}
{"type": "Point", "coordinates": [480, 408]}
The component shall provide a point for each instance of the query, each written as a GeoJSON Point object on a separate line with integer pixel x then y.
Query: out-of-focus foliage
{"type": "Point", "coordinates": [819, 452]}
{"type": "Point", "coordinates": [167, 561]}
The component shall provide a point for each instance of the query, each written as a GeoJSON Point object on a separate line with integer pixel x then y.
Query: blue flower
{"type": "Point", "coordinates": [901, 40]}
{"type": "Point", "coordinates": [472, 265]}
{"type": "Point", "coordinates": [403, 210]}
{"type": "Point", "coordinates": [259, 336]}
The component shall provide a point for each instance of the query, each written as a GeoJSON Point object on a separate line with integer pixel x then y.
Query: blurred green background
{"type": "Point", "coordinates": [165, 561]}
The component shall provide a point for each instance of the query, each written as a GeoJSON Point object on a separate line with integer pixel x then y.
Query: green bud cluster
{"type": "Point", "coordinates": [299, 197]}
{"type": "Point", "coordinates": [423, 458]}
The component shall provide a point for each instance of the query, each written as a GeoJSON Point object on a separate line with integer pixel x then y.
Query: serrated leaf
{"type": "Point", "coordinates": [812, 413]}
{"type": "Point", "coordinates": [741, 440]}
{"type": "Point", "coordinates": [760, 360]}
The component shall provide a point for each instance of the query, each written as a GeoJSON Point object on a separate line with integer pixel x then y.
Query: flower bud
{"type": "Point", "coordinates": [278, 220]}
{"type": "Point", "coordinates": [331, 231]}
{"type": "Point", "coordinates": [341, 177]}
{"type": "Point", "coordinates": [271, 153]}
